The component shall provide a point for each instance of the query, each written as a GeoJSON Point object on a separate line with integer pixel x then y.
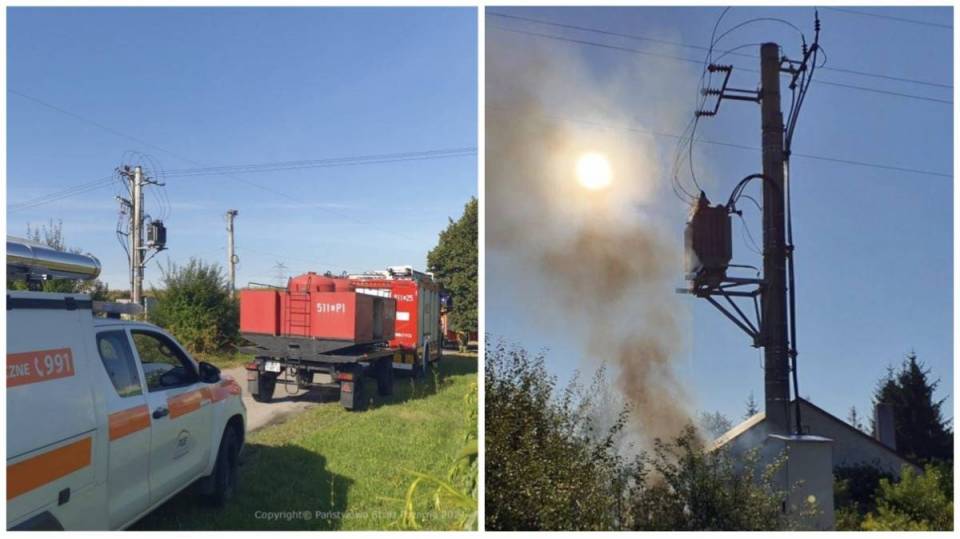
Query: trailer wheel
{"type": "Point", "coordinates": [385, 377]}
{"type": "Point", "coordinates": [352, 394]}
{"type": "Point", "coordinates": [266, 383]}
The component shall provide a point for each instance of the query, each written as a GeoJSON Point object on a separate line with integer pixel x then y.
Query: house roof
{"type": "Point", "coordinates": [759, 418]}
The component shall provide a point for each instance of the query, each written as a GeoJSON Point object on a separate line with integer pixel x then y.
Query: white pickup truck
{"type": "Point", "coordinates": [107, 419]}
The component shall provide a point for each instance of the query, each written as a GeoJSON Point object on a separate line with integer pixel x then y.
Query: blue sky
{"type": "Point", "coordinates": [232, 86]}
{"type": "Point", "coordinates": [874, 246]}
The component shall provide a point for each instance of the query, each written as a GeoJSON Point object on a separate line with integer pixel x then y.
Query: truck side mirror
{"type": "Point", "coordinates": [209, 374]}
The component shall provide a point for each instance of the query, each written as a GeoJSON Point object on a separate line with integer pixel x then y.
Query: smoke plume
{"type": "Point", "coordinates": [601, 265]}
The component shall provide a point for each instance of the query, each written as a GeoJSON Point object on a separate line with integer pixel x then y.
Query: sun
{"type": "Point", "coordinates": [593, 171]}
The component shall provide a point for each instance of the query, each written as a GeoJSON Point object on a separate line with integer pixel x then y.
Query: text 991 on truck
{"type": "Point", "coordinates": [106, 418]}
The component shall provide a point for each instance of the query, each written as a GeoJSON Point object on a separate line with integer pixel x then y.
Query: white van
{"type": "Point", "coordinates": [107, 419]}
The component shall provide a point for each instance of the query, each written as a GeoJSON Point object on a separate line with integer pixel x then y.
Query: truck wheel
{"type": "Point", "coordinates": [385, 377]}
{"type": "Point", "coordinates": [225, 471]}
{"type": "Point", "coordinates": [266, 383]}
{"type": "Point", "coordinates": [352, 395]}
{"type": "Point", "coordinates": [420, 369]}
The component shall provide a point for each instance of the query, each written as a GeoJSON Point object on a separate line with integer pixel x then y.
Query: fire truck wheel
{"type": "Point", "coordinates": [266, 383]}
{"type": "Point", "coordinates": [385, 378]}
{"type": "Point", "coordinates": [357, 401]}
{"type": "Point", "coordinates": [417, 371]}
{"type": "Point", "coordinates": [225, 471]}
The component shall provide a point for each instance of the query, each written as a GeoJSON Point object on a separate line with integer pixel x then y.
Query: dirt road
{"type": "Point", "coordinates": [260, 415]}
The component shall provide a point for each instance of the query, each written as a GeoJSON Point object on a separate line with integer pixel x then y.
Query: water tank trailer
{"type": "Point", "coordinates": [318, 333]}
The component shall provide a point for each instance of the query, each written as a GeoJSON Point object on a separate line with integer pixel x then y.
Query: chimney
{"type": "Point", "coordinates": [883, 427]}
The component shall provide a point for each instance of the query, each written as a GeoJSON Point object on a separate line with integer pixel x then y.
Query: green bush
{"type": "Point", "coordinates": [917, 502]}
{"type": "Point", "coordinates": [693, 489]}
{"type": "Point", "coordinates": [195, 306]}
{"type": "Point", "coordinates": [544, 471]}
{"type": "Point", "coordinates": [854, 490]}
{"type": "Point", "coordinates": [552, 465]}
{"type": "Point", "coordinates": [457, 492]}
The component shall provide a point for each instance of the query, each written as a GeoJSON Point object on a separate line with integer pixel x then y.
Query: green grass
{"type": "Point", "coordinates": [329, 469]}
{"type": "Point", "coordinates": [224, 360]}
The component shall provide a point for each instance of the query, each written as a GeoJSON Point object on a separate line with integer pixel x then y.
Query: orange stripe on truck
{"type": "Point", "coordinates": [39, 366]}
{"type": "Point", "coordinates": [185, 403]}
{"type": "Point", "coordinates": [37, 471]}
{"type": "Point", "coordinates": [129, 421]}
{"type": "Point", "coordinates": [223, 390]}
{"type": "Point", "coordinates": [192, 401]}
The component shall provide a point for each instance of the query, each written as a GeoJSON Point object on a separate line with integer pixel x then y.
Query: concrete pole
{"type": "Point", "coordinates": [231, 257]}
{"type": "Point", "coordinates": [136, 235]}
{"type": "Point", "coordinates": [774, 296]}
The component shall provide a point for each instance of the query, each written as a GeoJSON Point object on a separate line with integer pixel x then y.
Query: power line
{"type": "Point", "coordinates": [698, 62]}
{"type": "Point", "coordinates": [704, 48]}
{"type": "Point", "coordinates": [199, 164]}
{"type": "Point", "coordinates": [257, 168]}
{"type": "Point", "coordinates": [889, 17]}
{"type": "Point", "coordinates": [327, 162]}
{"type": "Point", "coordinates": [60, 195]}
{"type": "Point", "coordinates": [885, 92]}
{"type": "Point", "coordinates": [651, 132]}
{"type": "Point", "coordinates": [88, 120]}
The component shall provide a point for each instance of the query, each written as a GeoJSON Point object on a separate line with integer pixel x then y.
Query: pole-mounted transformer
{"type": "Point", "coordinates": [156, 235]}
{"type": "Point", "coordinates": [708, 245]}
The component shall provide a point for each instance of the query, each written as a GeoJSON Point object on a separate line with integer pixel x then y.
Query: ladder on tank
{"type": "Point", "coordinates": [298, 314]}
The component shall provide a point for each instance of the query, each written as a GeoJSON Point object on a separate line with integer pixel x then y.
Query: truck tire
{"type": "Point", "coordinates": [385, 377]}
{"type": "Point", "coordinates": [266, 383]}
{"type": "Point", "coordinates": [354, 398]}
{"type": "Point", "coordinates": [423, 363]}
{"type": "Point", "coordinates": [225, 471]}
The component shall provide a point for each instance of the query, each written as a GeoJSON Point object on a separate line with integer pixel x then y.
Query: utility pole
{"type": "Point", "coordinates": [707, 236]}
{"type": "Point", "coordinates": [136, 236]}
{"type": "Point", "coordinates": [231, 257]}
{"type": "Point", "coordinates": [773, 297]}
{"type": "Point", "coordinates": [140, 240]}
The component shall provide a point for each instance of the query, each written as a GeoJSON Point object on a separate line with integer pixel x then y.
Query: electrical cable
{"type": "Point", "coordinates": [807, 78]}
{"type": "Point", "coordinates": [704, 48]}
{"type": "Point", "coordinates": [343, 215]}
{"type": "Point", "coordinates": [60, 195]}
{"type": "Point", "coordinates": [650, 132]}
{"type": "Point", "coordinates": [753, 246]}
{"type": "Point", "coordinates": [889, 17]}
{"type": "Point", "coordinates": [248, 168]}
{"type": "Point", "coordinates": [324, 163]}
{"type": "Point", "coordinates": [738, 68]}
{"type": "Point", "coordinates": [691, 128]}
{"type": "Point", "coordinates": [756, 20]}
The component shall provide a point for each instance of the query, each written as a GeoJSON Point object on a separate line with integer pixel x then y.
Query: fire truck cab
{"type": "Point", "coordinates": [418, 338]}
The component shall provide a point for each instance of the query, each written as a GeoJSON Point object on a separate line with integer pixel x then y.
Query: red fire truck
{"type": "Point", "coordinates": [417, 336]}
{"type": "Point", "coordinates": [318, 332]}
